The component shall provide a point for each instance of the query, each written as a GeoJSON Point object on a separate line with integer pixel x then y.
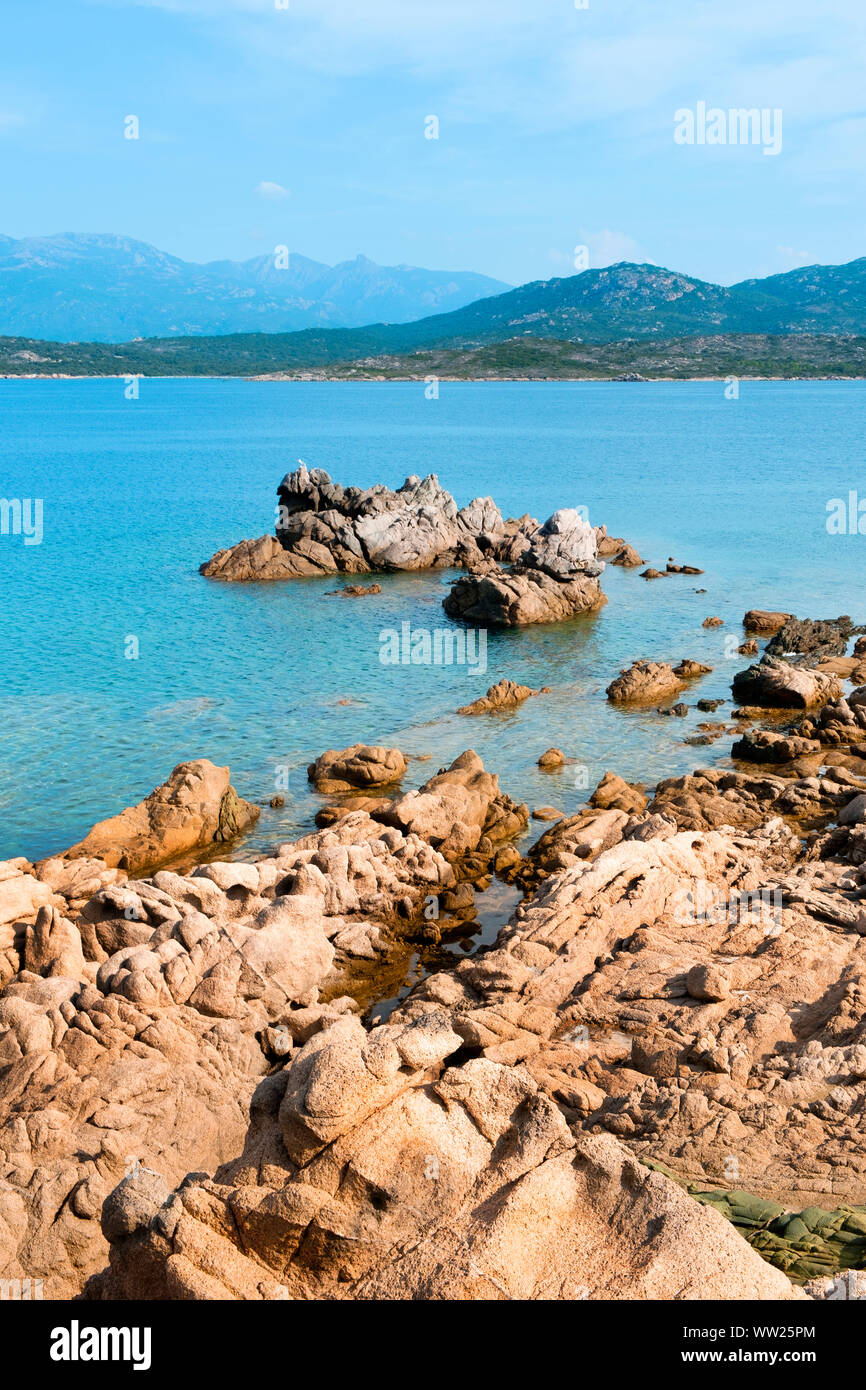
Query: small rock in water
{"type": "Point", "coordinates": [554, 757]}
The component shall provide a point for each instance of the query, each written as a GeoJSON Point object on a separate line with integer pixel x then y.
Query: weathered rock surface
{"type": "Point", "coordinates": [265, 559]}
{"type": "Point", "coordinates": [519, 597]}
{"type": "Point", "coordinates": [644, 682]}
{"type": "Point", "coordinates": [375, 1170]}
{"type": "Point", "coordinates": [195, 807]}
{"type": "Point", "coordinates": [804, 638]}
{"type": "Point", "coordinates": [711, 798]}
{"type": "Point", "coordinates": [687, 980]}
{"type": "Point", "coordinates": [556, 578]}
{"type": "Point", "coordinates": [347, 769]}
{"type": "Point", "coordinates": [764, 623]}
{"type": "Point", "coordinates": [614, 792]}
{"type": "Point", "coordinates": [775, 684]}
{"type": "Point", "coordinates": [132, 1038]}
{"type": "Point", "coordinates": [461, 811]}
{"type": "Point", "coordinates": [767, 746]}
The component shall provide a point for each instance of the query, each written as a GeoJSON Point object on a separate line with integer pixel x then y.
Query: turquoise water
{"type": "Point", "coordinates": [138, 493]}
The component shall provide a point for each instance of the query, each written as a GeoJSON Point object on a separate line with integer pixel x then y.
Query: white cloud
{"type": "Point", "coordinates": [266, 189]}
{"type": "Point", "coordinates": [606, 247]}
{"type": "Point", "coordinates": [791, 258]}
{"type": "Point", "coordinates": [548, 65]}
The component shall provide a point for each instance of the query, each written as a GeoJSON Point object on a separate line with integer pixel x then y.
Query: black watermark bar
{"type": "Point", "coordinates": [201, 1338]}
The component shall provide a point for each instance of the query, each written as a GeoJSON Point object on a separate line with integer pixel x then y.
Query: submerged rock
{"type": "Point", "coordinates": [504, 695]}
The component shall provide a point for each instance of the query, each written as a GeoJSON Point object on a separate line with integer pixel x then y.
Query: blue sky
{"type": "Point", "coordinates": [304, 126]}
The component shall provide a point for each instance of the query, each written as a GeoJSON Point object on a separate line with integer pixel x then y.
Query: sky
{"type": "Point", "coordinates": [305, 123]}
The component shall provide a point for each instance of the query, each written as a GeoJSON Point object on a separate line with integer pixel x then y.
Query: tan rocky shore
{"type": "Point", "coordinates": [651, 1085]}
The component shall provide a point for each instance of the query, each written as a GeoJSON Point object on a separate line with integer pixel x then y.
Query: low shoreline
{"type": "Point", "coordinates": [413, 380]}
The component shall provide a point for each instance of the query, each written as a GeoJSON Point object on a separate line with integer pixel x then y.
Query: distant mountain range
{"type": "Point", "coordinates": [628, 301]}
{"type": "Point", "coordinates": [620, 305]}
{"type": "Point", "coordinates": [109, 288]}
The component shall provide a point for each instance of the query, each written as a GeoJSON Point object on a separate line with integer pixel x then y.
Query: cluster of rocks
{"type": "Point", "coordinates": [484, 1141]}
{"type": "Point", "coordinates": [325, 528]}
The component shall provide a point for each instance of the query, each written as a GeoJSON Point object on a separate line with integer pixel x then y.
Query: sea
{"type": "Point", "coordinates": [118, 660]}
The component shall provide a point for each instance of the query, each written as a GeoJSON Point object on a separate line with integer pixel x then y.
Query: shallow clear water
{"type": "Point", "coordinates": [138, 493]}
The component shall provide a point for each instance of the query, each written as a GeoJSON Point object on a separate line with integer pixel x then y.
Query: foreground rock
{"type": "Point", "coordinates": [493, 1196]}
{"type": "Point", "coordinates": [132, 1037]}
{"type": "Point", "coordinates": [196, 807]}
{"type": "Point", "coordinates": [461, 811]}
{"type": "Point", "coordinates": [674, 993]}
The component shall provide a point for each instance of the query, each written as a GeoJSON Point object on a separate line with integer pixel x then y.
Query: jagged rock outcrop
{"type": "Point", "coordinates": [375, 1170]}
{"type": "Point", "coordinates": [812, 640]}
{"type": "Point", "coordinates": [614, 792]}
{"type": "Point", "coordinates": [325, 528]}
{"type": "Point", "coordinates": [713, 797]}
{"type": "Point", "coordinates": [555, 579]}
{"type": "Point", "coordinates": [132, 1037]}
{"type": "Point", "coordinates": [461, 811]}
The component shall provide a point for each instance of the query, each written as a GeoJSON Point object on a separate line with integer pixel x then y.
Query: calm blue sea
{"type": "Point", "coordinates": [138, 493]}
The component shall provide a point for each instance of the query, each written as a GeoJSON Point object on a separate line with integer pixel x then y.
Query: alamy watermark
{"type": "Point", "coordinates": [422, 646]}
{"type": "Point", "coordinates": [712, 125]}
{"type": "Point", "coordinates": [22, 516]}
{"type": "Point", "coordinates": [846, 516]}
